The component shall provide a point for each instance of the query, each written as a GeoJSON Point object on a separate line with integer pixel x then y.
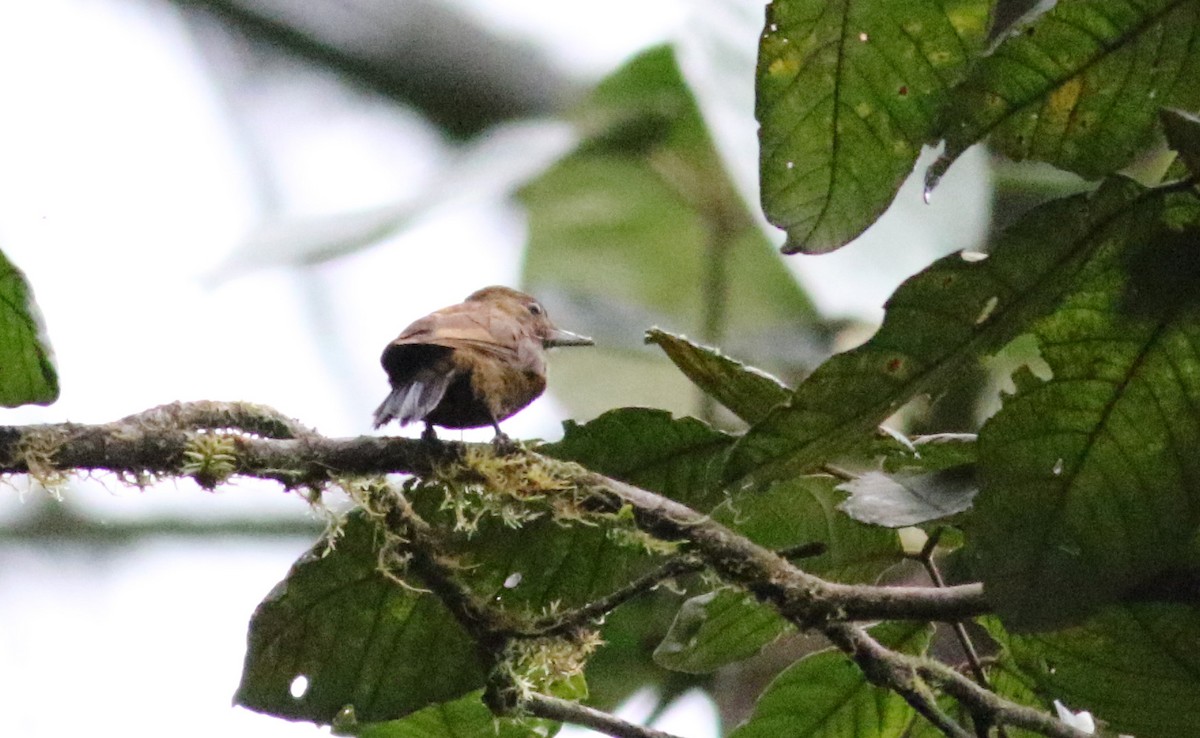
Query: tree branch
{"type": "Point", "coordinates": [195, 440]}
{"type": "Point", "coordinates": [881, 664]}
{"type": "Point", "coordinates": [164, 441]}
{"type": "Point", "coordinates": [553, 708]}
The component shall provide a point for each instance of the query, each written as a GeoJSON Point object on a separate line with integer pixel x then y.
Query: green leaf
{"type": "Point", "coordinates": [1080, 86]}
{"type": "Point", "coordinates": [539, 564]}
{"type": "Point", "coordinates": [848, 91]}
{"type": "Point", "coordinates": [902, 499]}
{"type": "Point", "coordinates": [1090, 481]}
{"type": "Point", "coordinates": [642, 225]}
{"type": "Point", "coordinates": [724, 626]}
{"type": "Point", "coordinates": [718, 628]}
{"type": "Point", "coordinates": [677, 457]}
{"type": "Point", "coordinates": [747, 392]}
{"type": "Point", "coordinates": [27, 374]}
{"type": "Point", "coordinates": [938, 322]}
{"type": "Point", "coordinates": [804, 510]}
{"type": "Point", "coordinates": [358, 638]}
{"type": "Point", "coordinates": [824, 696]}
{"type": "Point", "coordinates": [1135, 667]}
{"type": "Point", "coordinates": [465, 717]}
{"type": "Point", "coordinates": [1183, 135]}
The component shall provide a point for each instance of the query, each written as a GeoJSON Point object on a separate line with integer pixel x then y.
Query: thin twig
{"type": "Point", "coordinates": [565, 711]}
{"type": "Point", "coordinates": [960, 630]}
{"type": "Point", "coordinates": [562, 623]}
{"type": "Point", "coordinates": [565, 622]}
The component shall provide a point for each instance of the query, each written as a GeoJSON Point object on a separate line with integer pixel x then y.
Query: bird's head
{"type": "Point", "coordinates": [530, 314]}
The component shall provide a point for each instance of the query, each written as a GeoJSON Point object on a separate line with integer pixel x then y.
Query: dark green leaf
{"type": "Point", "coordinates": [718, 628]}
{"type": "Point", "coordinates": [641, 225]}
{"type": "Point", "coordinates": [544, 563]}
{"type": "Point", "coordinates": [1091, 481]}
{"type": "Point", "coordinates": [1135, 667]}
{"type": "Point", "coordinates": [27, 372]}
{"type": "Point", "coordinates": [1080, 86]}
{"type": "Point", "coordinates": [1183, 135]}
{"type": "Point", "coordinates": [677, 457]}
{"type": "Point", "coordinates": [848, 91]}
{"type": "Point", "coordinates": [824, 696]}
{"type": "Point", "coordinates": [937, 322]}
{"type": "Point", "coordinates": [901, 499]}
{"type": "Point", "coordinates": [466, 717]}
{"type": "Point", "coordinates": [360, 639]}
{"type": "Point", "coordinates": [748, 393]}
{"type": "Point", "coordinates": [724, 626]}
{"type": "Point", "coordinates": [804, 511]}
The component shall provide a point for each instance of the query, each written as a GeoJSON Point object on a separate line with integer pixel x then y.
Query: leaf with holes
{"type": "Point", "coordinates": [938, 322]}
{"type": "Point", "coordinates": [355, 637]}
{"type": "Point", "coordinates": [1080, 86]}
{"type": "Point", "coordinates": [1091, 481]}
{"type": "Point", "coordinates": [848, 91]}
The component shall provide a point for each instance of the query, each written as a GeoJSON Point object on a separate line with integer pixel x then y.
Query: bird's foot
{"type": "Point", "coordinates": [504, 445]}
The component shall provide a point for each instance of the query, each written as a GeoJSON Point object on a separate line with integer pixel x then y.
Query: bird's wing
{"type": "Point", "coordinates": [459, 329]}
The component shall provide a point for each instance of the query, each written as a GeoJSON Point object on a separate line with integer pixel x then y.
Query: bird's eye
{"type": "Point", "coordinates": [535, 309]}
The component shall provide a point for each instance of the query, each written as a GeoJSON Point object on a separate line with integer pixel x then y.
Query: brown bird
{"type": "Point", "coordinates": [472, 364]}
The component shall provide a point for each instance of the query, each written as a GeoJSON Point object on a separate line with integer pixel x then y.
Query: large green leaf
{"type": "Point", "coordinates": [1135, 667]}
{"type": "Point", "coordinates": [821, 696]}
{"type": "Point", "coordinates": [938, 322]}
{"type": "Point", "coordinates": [1080, 86]}
{"type": "Point", "coordinates": [27, 373]}
{"type": "Point", "coordinates": [848, 91]}
{"type": "Point", "coordinates": [1091, 481]}
{"type": "Point", "coordinates": [642, 225]}
{"type": "Point", "coordinates": [357, 638]}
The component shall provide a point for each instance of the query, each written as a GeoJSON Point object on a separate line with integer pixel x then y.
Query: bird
{"type": "Point", "coordinates": [472, 364]}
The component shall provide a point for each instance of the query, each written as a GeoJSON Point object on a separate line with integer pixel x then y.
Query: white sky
{"type": "Point", "coordinates": [124, 187]}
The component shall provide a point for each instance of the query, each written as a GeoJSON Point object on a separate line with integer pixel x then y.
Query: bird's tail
{"type": "Point", "coordinates": [413, 400]}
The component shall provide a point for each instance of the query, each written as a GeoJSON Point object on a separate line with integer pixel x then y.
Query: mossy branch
{"type": "Point", "coordinates": [211, 442]}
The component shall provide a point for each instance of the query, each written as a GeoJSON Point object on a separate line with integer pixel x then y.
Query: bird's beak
{"type": "Point", "coordinates": [559, 337]}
